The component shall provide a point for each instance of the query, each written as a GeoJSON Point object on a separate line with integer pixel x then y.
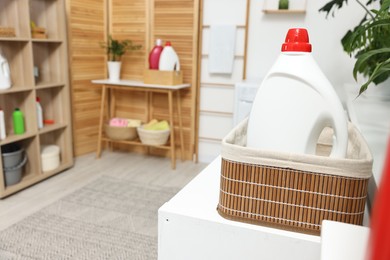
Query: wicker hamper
{"type": "Point", "coordinates": [291, 191]}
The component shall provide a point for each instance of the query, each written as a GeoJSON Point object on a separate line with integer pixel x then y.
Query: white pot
{"type": "Point", "coordinates": [114, 70]}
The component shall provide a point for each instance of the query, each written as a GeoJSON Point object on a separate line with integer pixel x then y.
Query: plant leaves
{"type": "Point", "coordinates": [380, 70]}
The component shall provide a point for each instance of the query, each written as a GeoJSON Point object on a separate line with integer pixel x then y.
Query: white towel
{"type": "Point", "coordinates": [221, 51]}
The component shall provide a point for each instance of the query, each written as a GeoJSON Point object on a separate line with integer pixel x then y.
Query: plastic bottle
{"type": "Point", "coordinates": [168, 59]}
{"type": "Point", "coordinates": [295, 102]}
{"type": "Point", "coordinates": [18, 120]}
{"type": "Point", "coordinates": [5, 75]}
{"type": "Point", "coordinates": [3, 134]}
{"type": "Point", "coordinates": [154, 55]}
{"type": "Point", "coordinates": [39, 113]}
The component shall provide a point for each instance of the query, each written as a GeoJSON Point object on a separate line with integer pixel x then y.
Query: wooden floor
{"type": "Point", "coordinates": [140, 168]}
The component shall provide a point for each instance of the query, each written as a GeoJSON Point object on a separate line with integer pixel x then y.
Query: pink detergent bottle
{"type": "Point", "coordinates": [154, 55]}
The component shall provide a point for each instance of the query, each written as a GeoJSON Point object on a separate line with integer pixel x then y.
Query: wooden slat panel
{"type": "Point", "coordinates": [87, 27]}
{"type": "Point", "coordinates": [177, 21]}
{"type": "Point", "coordinates": [128, 20]}
{"type": "Point", "coordinates": [141, 21]}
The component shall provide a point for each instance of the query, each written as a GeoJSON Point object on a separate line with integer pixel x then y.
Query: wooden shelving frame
{"type": "Point", "coordinates": [49, 55]}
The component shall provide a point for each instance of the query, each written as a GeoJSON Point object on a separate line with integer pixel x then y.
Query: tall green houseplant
{"type": "Point", "coordinates": [368, 42]}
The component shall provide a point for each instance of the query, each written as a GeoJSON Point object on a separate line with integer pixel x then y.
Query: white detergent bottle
{"type": "Point", "coordinates": [295, 102]}
{"type": "Point", "coordinates": [5, 75]}
{"type": "Point", "coordinates": [169, 60]}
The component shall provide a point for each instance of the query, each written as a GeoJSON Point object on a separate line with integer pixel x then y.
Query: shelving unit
{"type": "Point", "coordinates": [131, 85]}
{"type": "Point", "coordinates": [295, 7]}
{"type": "Point", "coordinates": [25, 55]}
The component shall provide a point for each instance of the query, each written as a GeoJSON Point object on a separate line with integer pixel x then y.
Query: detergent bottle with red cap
{"type": "Point", "coordinates": [295, 102]}
{"type": "Point", "coordinates": [169, 60]}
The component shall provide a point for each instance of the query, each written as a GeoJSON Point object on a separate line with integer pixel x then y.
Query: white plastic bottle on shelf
{"type": "Point", "coordinates": [295, 102]}
{"type": "Point", "coordinates": [3, 134]}
{"type": "Point", "coordinates": [5, 74]}
{"type": "Point", "coordinates": [39, 113]}
{"type": "Point", "coordinates": [168, 59]}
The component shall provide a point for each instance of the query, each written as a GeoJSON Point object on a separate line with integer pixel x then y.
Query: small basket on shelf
{"type": "Point", "coordinates": [7, 32]}
{"type": "Point", "coordinates": [125, 132]}
{"type": "Point", "coordinates": [157, 135]}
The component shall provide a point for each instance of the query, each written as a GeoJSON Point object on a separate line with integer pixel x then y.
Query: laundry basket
{"type": "Point", "coordinates": [291, 191]}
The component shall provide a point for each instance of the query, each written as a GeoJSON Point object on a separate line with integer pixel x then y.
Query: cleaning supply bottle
{"type": "Point", "coordinates": [295, 102]}
{"type": "Point", "coordinates": [3, 134]}
{"type": "Point", "coordinates": [39, 113]}
{"type": "Point", "coordinates": [5, 75]}
{"type": "Point", "coordinates": [18, 120]}
{"type": "Point", "coordinates": [169, 60]}
{"type": "Point", "coordinates": [154, 55]}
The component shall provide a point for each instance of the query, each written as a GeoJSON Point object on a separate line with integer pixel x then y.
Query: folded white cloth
{"type": "Point", "coordinates": [222, 47]}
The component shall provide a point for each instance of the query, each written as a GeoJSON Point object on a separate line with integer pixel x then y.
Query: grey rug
{"type": "Point", "coordinates": [107, 219]}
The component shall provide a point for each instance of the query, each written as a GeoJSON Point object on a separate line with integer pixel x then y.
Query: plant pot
{"type": "Point", "coordinates": [114, 70]}
{"type": "Point", "coordinates": [283, 4]}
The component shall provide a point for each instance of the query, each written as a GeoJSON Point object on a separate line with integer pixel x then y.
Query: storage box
{"type": "Point", "coordinates": [7, 32]}
{"type": "Point", "coordinates": [160, 77]}
{"type": "Point", "coordinates": [291, 191]}
{"type": "Point", "coordinates": [50, 157]}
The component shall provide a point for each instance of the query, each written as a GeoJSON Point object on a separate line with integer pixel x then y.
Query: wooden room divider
{"type": "Point", "coordinates": [142, 21]}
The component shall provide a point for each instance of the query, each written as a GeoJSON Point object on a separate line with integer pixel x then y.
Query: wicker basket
{"type": "Point", "coordinates": [293, 192]}
{"type": "Point", "coordinates": [120, 133]}
{"type": "Point", "coordinates": [153, 137]}
{"type": "Point", "coordinates": [7, 32]}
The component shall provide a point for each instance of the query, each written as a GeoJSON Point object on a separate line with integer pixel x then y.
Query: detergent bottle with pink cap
{"type": "Point", "coordinates": [295, 102]}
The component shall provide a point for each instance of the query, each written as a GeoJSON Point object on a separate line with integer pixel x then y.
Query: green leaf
{"type": "Point", "coordinates": [382, 69]}
{"type": "Point", "coordinates": [332, 6]}
{"type": "Point", "coordinates": [362, 59]}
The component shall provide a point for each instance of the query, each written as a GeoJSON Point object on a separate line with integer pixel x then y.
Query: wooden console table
{"type": "Point", "coordinates": [132, 85]}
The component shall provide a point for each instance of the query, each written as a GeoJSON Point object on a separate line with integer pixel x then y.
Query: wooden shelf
{"type": "Point", "coordinates": [52, 86]}
{"type": "Point", "coordinates": [267, 11]}
{"type": "Point", "coordinates": [137, 142]}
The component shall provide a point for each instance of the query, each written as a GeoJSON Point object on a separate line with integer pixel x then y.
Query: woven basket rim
{"type": "Point", "coordinates": [152, 131]}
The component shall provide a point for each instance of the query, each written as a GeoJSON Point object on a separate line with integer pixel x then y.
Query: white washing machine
{"type": "Point", "coordinates": [244, 94]}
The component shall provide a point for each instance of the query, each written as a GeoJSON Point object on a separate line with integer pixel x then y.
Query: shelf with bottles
{"type": "Point", "coordinates": [18, 56]}
{"type": "Point", "coordinates": [14, 16]}
{"type": "Point", "coordinates": [52, 103]}
{"type": "Point", "coordinates": [55, 144]}
{"type": "Point", "coordinates": [47, 19]}
{"type": "Point", "coordinates": [48, 63]}
{"type": "Point", "coordinates": [9, 102]}
{"type": "Point", "coordinates": [26, 170]}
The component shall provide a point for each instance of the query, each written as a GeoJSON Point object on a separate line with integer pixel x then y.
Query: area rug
{"type": "Point", "coordinates": [107, 219]}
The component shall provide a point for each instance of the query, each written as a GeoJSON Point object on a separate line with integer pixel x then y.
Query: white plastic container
{"type": "Point", "coordinates": [3, 134]}
{"type": "Point", "coordinates": [5, 74]}
{"type": "Point", "coordinates": [50, 157]}
{"type": "Point", "coordinates": [39, 113]}
{"type": "Point", "coordinates": [295, 102]}
{"type": "Point", "coordinates": [169, 61]}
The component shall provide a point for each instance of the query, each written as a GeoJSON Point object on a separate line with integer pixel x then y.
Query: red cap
{"type": "Point", "coordinates": [297, 39]}
{"type": "Point", "coordinates": [168, 44]}
{"type": "Point", "coordinates": [38, 99]}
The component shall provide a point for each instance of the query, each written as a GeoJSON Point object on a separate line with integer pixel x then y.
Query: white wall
{"type": "Point", "coordinates": [267, 33]}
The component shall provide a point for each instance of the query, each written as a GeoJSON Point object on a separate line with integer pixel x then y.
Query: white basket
{"type": "Point", "coordinates": [153, 137]}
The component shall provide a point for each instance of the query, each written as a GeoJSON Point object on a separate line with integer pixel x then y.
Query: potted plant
{"type": "Point", "coordinates": [369, 41]}
{"type": "Point", "coordinates": [115, 50]}
{"type": "Point", "coordinates": [283, 4]}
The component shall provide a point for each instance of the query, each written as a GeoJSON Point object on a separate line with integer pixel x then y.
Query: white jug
{"type": "Point", "coordinates": [5, 75]}
{"type": "Point", "coordinates": [169, 61]}
{"type": "Point", "coordinates": [295, 102]}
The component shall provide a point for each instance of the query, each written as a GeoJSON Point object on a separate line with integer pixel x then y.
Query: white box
{"type": "Point", "coordinates": [190, 228]}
